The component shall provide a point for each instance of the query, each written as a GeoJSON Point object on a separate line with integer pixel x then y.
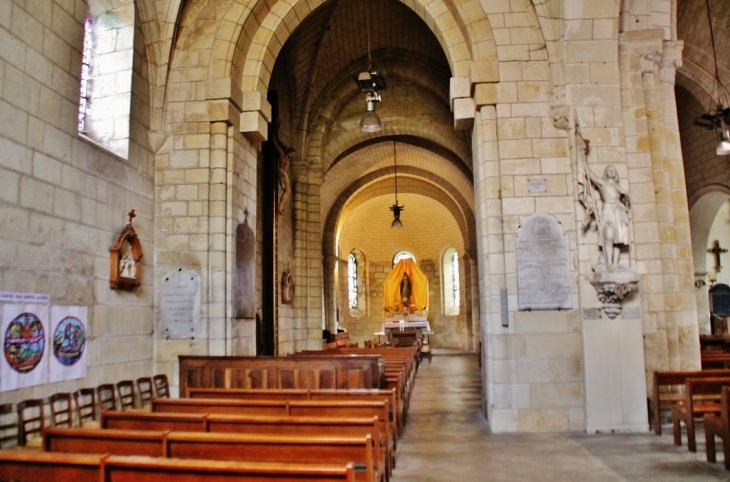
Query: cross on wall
{"type": "Point", "coordinates": [717, 251]}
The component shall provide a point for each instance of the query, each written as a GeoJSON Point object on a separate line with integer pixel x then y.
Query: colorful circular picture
{"type": "Point", "coordinates": [69, 341]}
{"type": "Point", "coordinates": [25, 341]}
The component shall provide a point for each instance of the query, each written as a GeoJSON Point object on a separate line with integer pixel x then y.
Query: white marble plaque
{"type": "Point", "coordinates": [180, 304]}
{"type": "Point", "coordinates": [537, 185]}
{"type": "Point", "coordinates": [543, 265]}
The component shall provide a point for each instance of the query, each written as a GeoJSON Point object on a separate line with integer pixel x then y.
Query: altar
{"type": "Point", "coordinates": [405, 305]}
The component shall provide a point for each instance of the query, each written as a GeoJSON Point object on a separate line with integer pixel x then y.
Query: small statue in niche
{"type": "Point", "coordinates": [125, 257]}
{"type": "Point", "coordinates": [127, 266]}
{"type": "Point", "coordinates": [405, 291]}
{"type": "Point", "coordinates": [286, 154]}
{"type": "Point", "coordinates": [287, 287]}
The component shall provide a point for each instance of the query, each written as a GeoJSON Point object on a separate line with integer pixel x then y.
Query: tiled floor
{"type": "Point", "coordinates": [447, 439]}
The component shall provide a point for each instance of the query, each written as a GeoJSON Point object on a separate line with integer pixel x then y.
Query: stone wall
{"type": "Point", "coordinates": [63, 200]}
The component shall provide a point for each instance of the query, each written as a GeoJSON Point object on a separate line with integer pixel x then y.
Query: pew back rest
{"type": "Point", "coordinates": [361, 371]}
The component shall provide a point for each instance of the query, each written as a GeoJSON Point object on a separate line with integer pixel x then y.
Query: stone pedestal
{"type": "Point", "coordinates": [613, 286]}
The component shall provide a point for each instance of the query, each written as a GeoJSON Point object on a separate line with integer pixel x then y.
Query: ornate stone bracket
{"type": "Point", "coordinates": [613, 286]}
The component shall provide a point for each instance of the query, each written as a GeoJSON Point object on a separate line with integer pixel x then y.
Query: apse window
{"type": "Point", "coordinates": [451, 285]}
{"type": "Point", "coordinates": [352, 280]}
{"type": "Point", "coordinates": [400, 255]}
{"type": "Point", "coordinates": [357, 283]}
{"type": "Point", "coordinates": [105, 90]}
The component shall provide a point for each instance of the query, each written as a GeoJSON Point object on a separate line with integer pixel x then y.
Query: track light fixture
{"type": "Point", "coordinates": [370, 82]}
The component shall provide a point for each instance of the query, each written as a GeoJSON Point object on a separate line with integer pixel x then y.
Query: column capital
{"type": "Point", "coordinates": [671, 60]}
{"type": "Point", "coordinates": [649, 60]}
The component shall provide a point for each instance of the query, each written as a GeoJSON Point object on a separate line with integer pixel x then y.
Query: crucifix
{"type": "Point", "coordinates": [717, 251]}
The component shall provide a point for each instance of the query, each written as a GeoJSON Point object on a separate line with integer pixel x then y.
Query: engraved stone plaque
{"type": "Point", "coordinates": [245, 285]}
{"type": "Point", "coordinates": [543, 265]}
{"type": "Point", "coordinates": [592, 314]}
{"type": "Point", "coordinates": [180, 304]}
{"type": "Point", "coordinates": [537, 185]}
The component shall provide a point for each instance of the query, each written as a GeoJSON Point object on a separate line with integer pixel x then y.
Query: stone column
{"type": "Point", "coordinates": [330, 293]}
{"type": "Point", "coordinates": [218, 288]}
{"type": "Point", "coordinates": [685, 302]}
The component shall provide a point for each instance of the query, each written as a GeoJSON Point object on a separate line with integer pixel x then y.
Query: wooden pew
{"type": "Point", "coordinates": [719, 426]}
{"type": "Point", "coordinates": [308, 426]}
{"type": "Point", "coordinates": [314, 408]}
{"type": "Point", "coordinates": [182, 422]}
{"type": "Point", "coordinates": [219, 446]}
{"type": "Point", "coordinates": [34, 466]}
{"type": "Point", "coordinates": [220, 405]}
{"type": "Point", "coordinates": [142, 469]}
{"type": "Point", "coordinates": [662, 398]}
{"type": "Point", "coordinates": [263, 425]}
{"type": "Point", "coordinates": [362, 371]}
{"type": "Point", "coordinates": [696, 404]}
{"type": "Point", "coordinates": [279, 449]}
{"type": "Point", "coordinates": [31, 466]}
{"type": "Point", "coordinates": [112, 441]}
{"type": "Point", "coordinates": [298, 394]}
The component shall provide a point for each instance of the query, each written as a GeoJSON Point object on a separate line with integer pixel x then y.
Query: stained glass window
{"type": "Point", "coordinates": [85, 89]}
{"type": "Point", "coordinates": [352, 280]}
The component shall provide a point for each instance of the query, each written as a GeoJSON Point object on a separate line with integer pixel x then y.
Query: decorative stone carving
{"type": "Point", "coordinates": [613, 286]}
{"type": "Point", "coordinates": [649, 60]}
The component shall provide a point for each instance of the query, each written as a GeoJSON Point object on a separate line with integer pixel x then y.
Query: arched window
{"type": "Point", "coordinates": [403, 255]}
{"type": "Point", "coordinates": [352, 280]}
{"type": "Point", "coordinates": [105, 91]}
{"type": "Point", "coordinates": [451, 292]}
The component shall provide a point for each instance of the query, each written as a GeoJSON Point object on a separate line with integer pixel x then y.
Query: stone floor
{"type": "Point", "coordinates": [447, 439]}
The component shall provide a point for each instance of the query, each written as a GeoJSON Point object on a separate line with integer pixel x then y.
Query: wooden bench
{"type": "Point", "coordinates": [701, 397]}
{"type": "Point", "coordinates": [663, 398]}
{"type": "Point", "coordinates": [361, 371]}
{"type": "Point", "coordinates": [298, 394]}
{"type": "Point", "coordinates": [34, 466]}
{"type": "Point", "coordinates": [142, 469]}
{"type": "Point", "coordinates": [182, 422]}
{"type": "Point", "coordinates": [219, 446]}
{"type": "Point", "coordinates": [314, 408]}
{"type": "Point", "coordinates": [220, 405]}
{"type": "Point", "coordinates": [28, 466]}
{"type": "Point", "coordinates": [719, 426]}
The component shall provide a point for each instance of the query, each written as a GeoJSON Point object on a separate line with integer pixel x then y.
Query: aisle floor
{"type": "Point", "coordinates": [447, 439]}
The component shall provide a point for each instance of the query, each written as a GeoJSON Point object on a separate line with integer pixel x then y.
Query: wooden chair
{"type": "Point", "coordinates": [107, 397]}
{"type": "Point", "coordinates": [8, 426]}
{"type": "Point", "coordinates": [146, 390]}
{"type": "Point", "coordinates": [125, 390]}
{"type": "Point", "coordinates": [162, 387]}
{"type": "Point", "coordinates": [719, 425]}
{"type": "Point", "coordinates": [31, 420]}
{"type": "Point", "coordinates": [85, 399]}
{"type": "Point", "coordinates": [61, 414]}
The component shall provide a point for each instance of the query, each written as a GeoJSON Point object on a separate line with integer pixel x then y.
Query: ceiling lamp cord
{"type": "Point", "coordinates": [395, 208]}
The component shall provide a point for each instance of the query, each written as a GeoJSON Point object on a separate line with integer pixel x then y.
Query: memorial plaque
{"type": "Point", "coordinates": [543, 265]}
{"type": "Point", "coordinates": [537, 185]}
{"type": "Point", "coordinates": [592, 314]}
{"type": "Point", "coordinates": [245, 285]}
{"type": "Point", "coordinates": [180, 304]}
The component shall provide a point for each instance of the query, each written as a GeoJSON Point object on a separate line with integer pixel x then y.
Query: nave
{"type": "Point", "coordinates": [447, 439]}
